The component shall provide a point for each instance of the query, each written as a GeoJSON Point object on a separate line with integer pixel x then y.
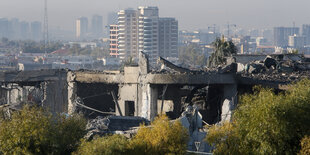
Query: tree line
{"type": "Point", "coordinates": [34, 130]}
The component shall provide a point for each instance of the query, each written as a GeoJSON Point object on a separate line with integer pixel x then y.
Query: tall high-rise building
{"type": "Point", "coordinates": [148, 32]}
{"type": "Point", "coordinates": [112, 18]}
{"type": "Point", "coordinates": [4, 27]}
{"type": "Point", "coordinates": [24, 30]}
{"type": "Point", "coordinates": [138, 31]}
{"type": "Point", "coordinates": [127, 33]}
{"type": "Point", "coordinates": [97, 26]}
{"type": "Point", "coordinates": [281, 35]}
{"type": "Point", "coordinates": [267, 34]}
{"type": "Point", "coordinates": [36, 30]}
{"type": "Point", "coordinates": [114, 40]}
{"type": "Point", "coordinates": [81, 27]}
{"type": "Point", "coordinates": [306, 33]}
{"type": "Point", "coordinates": [296, 41]}
{"type": "Point", "coordinates": [143, 30]}
{"type": "Point", "coordinates": [168, 37]}
{"type": "Point", "coordinates": [15, 28]}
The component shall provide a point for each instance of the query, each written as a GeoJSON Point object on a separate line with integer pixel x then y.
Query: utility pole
{"type": "Point", "coordinates": [45, 29]}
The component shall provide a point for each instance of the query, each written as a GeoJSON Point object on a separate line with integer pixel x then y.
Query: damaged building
{"type": "Point", "coordinates": [177, 92]}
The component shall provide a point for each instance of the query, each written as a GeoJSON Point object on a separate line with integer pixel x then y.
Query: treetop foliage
{"type": "Point", "coordinates": [266, 123]}
{"type": "Point", "coordinates": [36, 131]}
{"type": "Point", "coordinates": [108, 145]}
{"type": "Point", "coordinates": [162, 137]}
{"type": "Point", "coordinates": [222, 49]}
{"type": "Point", "coordinates": [305, 146]}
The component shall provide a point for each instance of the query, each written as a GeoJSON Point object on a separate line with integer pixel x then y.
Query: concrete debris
{"type": "Point", "coordinates": [126, 125]}
{"type": "Point", "coordinates": [172, 66]}
{"type": "Point", "coordinates": [275, 69]}
{"type": "Point", "coordinates": [240, 67]}
{"type": "Point", "coordinates": [270, 62]}
{"type": "Point", "coordinates": [232, 68]}
{"type": "Point", "coordinates": [254, 68]}
{"type": "Point", "coordinates": [191, 119]}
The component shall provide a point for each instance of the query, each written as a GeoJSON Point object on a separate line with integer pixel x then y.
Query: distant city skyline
{"type": "Point", "coordinates": [192, 15]}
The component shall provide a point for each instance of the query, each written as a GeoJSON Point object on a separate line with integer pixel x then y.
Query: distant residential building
{"type": "Point", "coordinates": [297, 42]}
{"type": "Point", "coordinates": [24, 30]}
{"type": "Point", "coordinates": [81, 27]}
{"type": "Point", "coordinates": [4, 27]}
{"type": "Point", "coordinates": [97, 26]}
{"type": "Point", "coordinates": [15, 28]}
{"type": "Point", "coordinates": [261, 41]}
{"type": "Point", "coordinates": [112, 18]}
{"type": "Point", "coordinates": [306, 33]}
{"type": "Point", "coordinates": [267, 34]}
{"type": "Point", "coordinates": [254, 33]}
{"type": "Point", "coordinates": [143, 30]}
{"type": "Point", "coordinates": [168, 37]}
{"type": "Point", "coordinates": [281, 35]}
{"type": "Point", "coordinates": [36, 30]}
{"type": "Point", "coordinates": [128, 33]}
{"type": "Point", "coordinates": [149, 31]}
{"type": "Point", "coordinates": [114, 40]}
{"type": "Point", "coordinates": [91, 45]}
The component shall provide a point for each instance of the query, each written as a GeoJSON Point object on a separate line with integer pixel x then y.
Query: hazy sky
{"type": "Point", "coordinates": [192, 14]}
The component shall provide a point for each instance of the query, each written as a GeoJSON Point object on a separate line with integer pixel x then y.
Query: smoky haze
{"type": "Point", "coordinates": [192, 14]}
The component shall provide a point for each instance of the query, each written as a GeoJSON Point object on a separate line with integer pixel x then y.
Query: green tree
{"type": "Point", "coordinates": [222, 49]}
{"type": "Point", "coordinates": [36, 131]}
{"type": "Point", "coordinates": [267, 123]}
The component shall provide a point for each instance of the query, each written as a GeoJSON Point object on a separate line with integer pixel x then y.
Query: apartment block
{"type": "Point", "coordinates": [168, 37]}
{"type": "Point", "coordinates": [281, 35]}
{"type": "Point", "coordinates": [81, 27]}
{"type": "Point", "coordinates": [143, 30]}
{"type": "Point", "coordinates": [306, 33]}
{"type": "Point", "coordinates": [114, 41]}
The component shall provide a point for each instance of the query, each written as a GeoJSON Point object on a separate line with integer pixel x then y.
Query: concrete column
{"type": "Point", "coordinates": [72, 94]}
{"type": "Point", "coordinates": [153, 101]}
{"type": "Point", "coordinates": [149, 102]}
{"type": "Point", "coordinates": [230, 93]}
{"type": "Point", "coordinates": [145, 100]}
{"type": "Point", "coordinates": [56, 96]}
{"type": "Point", "coordinates": [229, 102]}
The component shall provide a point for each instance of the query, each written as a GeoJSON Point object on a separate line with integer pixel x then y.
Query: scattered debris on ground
{"type": "Point", "coordinates": [126, 125]}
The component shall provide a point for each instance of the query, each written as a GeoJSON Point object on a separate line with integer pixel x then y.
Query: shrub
{"type": "Point", "coordinates": [162, 137]}
{"type": "Point", "coordinates": [108, 145]}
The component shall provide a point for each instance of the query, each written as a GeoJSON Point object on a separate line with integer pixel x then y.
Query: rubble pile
{"type": "Point", "coordinates": [114, 125]}
{"type": "Point", "coordinates": [275, 69]}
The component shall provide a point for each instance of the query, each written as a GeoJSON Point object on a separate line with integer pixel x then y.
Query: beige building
{"type": "Point", "coordinates": [81, 27]}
